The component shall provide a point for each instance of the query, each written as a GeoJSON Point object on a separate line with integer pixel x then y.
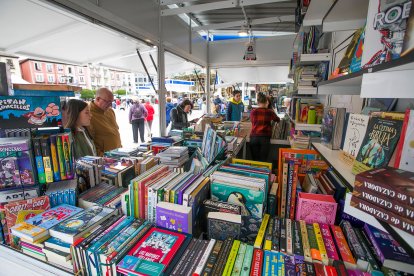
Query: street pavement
{"type": "Point", "coordinates": [125, 127]}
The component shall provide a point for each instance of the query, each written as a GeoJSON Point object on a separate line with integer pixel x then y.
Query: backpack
{"type": "Point", "coordinates": [137, 112]}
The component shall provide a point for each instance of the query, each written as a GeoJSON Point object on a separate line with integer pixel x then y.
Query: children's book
{"type": "Point", "coordinates": [51, 217]}
{"type": "Point", "coordinates": [355, 133]}
{"type": "Point", "coordinates": [175, 217]}
{"type": "Point", "coordinates": [28, 231]}
{"type": "Point", "coordinates": [131, 265]}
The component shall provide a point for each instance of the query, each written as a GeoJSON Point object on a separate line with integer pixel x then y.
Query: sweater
{"type": "Point", "coordinates": [104, 130]}
{"type": "Point", "coordinates": [151, 112]}
{"type": "Point", "coordinates": [234, 110]}
{"type": "Point", "coordinates": [140, 108]}
{"type": "Point", "coordinates": [261, 119]}
{"type": "Point", "coordinates": [82, 144]}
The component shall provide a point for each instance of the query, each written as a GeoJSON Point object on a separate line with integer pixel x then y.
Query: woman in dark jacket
{"type": "Point", "coordinates": [137, 115]}
{"type": "Point", "coordinates": [179, 115]}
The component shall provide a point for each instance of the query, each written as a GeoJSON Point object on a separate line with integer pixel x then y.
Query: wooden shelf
{"type": "Point", "coordinates": [333, 158]}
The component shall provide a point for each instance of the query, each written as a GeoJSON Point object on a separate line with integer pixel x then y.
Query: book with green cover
{"type": "Point", "coordinates": [231, 259]}
{"type": "Point", "coordinates": [238, 264]}
{"type": "Point", "coordinates": [250, 200]}
{"type": "Point", "coordinates": [313, 244]}
{"type": "Point", "coordinates": [245, 271]}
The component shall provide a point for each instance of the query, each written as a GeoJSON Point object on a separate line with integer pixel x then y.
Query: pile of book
{"type": "Point", "coordinates": [122, 152]}
{"type": "Point", "coordinates": [102, 194]}
{"type": "Point", "coordinates": [307, 79]}
{"type": "Point", "coordinates": [213, 144]}
{"type": "Point", "coordinates": [299, 141]}
{"type": "Point", "coordinates": [174, 156]}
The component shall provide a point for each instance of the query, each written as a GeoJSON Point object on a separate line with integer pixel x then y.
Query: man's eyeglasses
{"type": "Point", "coordinates": [106, 101]}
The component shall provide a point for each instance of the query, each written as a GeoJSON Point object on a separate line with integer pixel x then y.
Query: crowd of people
{"type": "Point", "coordinates": [95, 129]}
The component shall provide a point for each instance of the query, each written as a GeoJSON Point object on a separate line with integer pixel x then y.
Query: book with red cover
{"type": "Point", "coordinates": [158, 245]}
{"type": "Point", "coordinates": [257, 263]}
{"type": "Point", "coordinates": [329, 243]}
{"type": "Point", "coordinates": [343, 247]}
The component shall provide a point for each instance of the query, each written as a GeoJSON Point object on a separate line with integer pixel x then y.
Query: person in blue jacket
{"type": "Point", "coordinates": [235, 107]}
{"type": "Point", "coordinates": [169, 105]}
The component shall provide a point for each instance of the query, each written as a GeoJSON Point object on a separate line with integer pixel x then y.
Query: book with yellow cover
{"type": "Point", "coordinates": [28, 231]}
{"type": "Point", "coordinates": [262, 230]}
{"type": "Point", "coordinates": [321, 244]}
{"type": "Point", "coordinates": [269, 233]}
{"type": "Point", "coordinates": [24, 215]}
{"type": "Point", "coordinates": [252, 163]}
{"type": "Point", "coordinates": [231, 259]}
{"type": "Point", "coordinates": [305, 241]}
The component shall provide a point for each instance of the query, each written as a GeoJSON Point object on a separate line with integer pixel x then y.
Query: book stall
{"type": "Point", "coordinates": [335, 198]}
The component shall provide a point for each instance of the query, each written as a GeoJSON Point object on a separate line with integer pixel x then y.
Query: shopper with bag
{"type": "Point", "coordinates": [137, 115]}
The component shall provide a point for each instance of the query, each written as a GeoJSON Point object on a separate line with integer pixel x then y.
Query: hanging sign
{"type": "Point", "coordinates": [250, 53]}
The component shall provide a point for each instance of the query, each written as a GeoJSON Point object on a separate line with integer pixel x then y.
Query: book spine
{"type": "Point", "coordinates": [314, 249]}
{"type": "Point", "coordinates": [231, 259]}
{"type": "Point", "coordinates": [262, 230]}
{"type": "Point", "coordinates": [289, 238]}
{"type": "Point", "coordinates": [297, 240]}
{"type": "Point", "coordinates": [184, 260]}
{"type": "Point", "coordinates": [67, 156]}
{"type": "Point", "coordinates": [284, 190]}
{"type": "Point", "coordinates": [39, 160]}
{"type": "Point", "coordinates": [257, 263]}
{"type": "Point", "coordinates": [321, 245]}
{"type": "Point", "coordinates": [204, 258]}
{"type": "Point", "coordinates": [384, 202]}
{"type": "Point", "coordinates": [373, 246]}
{"type": "Point", "coordinates": [199, 252]}
{"type": "Point", "coordinates": [343, 247]}
{"type": "Point", "coordinates": [266, 263]}
{"type": "Point", "coordinates": [276, 235]}
{"type": "Point", "coordinates": [238, 264]}
{"type": "Point", "coordinates": [47, 163]}
{"type": "Point", "coordinates": [354, 245]}
{"type": "Point", "coordinates": [305, 241]}
{"type": "Point", "coordinates": [384, 215]}
{"type": "Point", "coordinates": [400, 144]}
{"type": "Point", "coordinates": [290, 268]}
{"type": "Point", "coordinates": [271, 204]}
{"type": "Point", "coordinates": [247, 262]}
{"type": "Point", "coordinates": [268, 236]}
{"type": "Point", "coordinates": [382, 188]}
{"type": "Point", "coordinates": [281, 264]}
{"type": "Point", "coordinates": [369, 255]}
{"type": "Point", "coordinates": [294, 184]}
{"type": "Point", "coordinates": [340, 268]}
{"type": "Point", "coordinates": [283, 246]}
{"type": "Point", "coordinates": [221, 260]}
{"type": "Point", "coordinates": [289, 189]}
{"type": "Point", "coordinates": [212, 259]}
{"type": "Point", "coordinates": [61, 157]}
{"type": "Point", "coordinates": [329, 243]}
{"type": "Point", "coordinates": [55, 162]}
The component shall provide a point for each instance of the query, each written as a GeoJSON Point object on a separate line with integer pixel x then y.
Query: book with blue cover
{"type": "Point", "coordinates": [54, 216]}
{"type": "Point", "coordinates": [58, 245]}
{"type": "Point", "coordinates": [70, 229]}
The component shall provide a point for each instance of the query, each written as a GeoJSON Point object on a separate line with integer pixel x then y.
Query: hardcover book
{"type": "Point", "coordinates": [223, 225]}
{"type": "Point", "coordinates": [332, 127]}
{"type": "Point", "coordinates": [70, 229]}
{"type": "Point", "coordinates": [28, 231]}
{"type": "Point", "coordinates": [131, 265]}
{"type": "Point", "coordinates": [316, 208]}
{"type": "Point", "coordinates": [384, 31]}
{"type": "Point", "coordinates": [355, 133]}
{"type": "Point", "coordinates": [158, 245]}
{"type": "Point", "coordinates": [343, 247]}
{"type": "Point", "coordinates": [174, 217]}
{"type": "Point", "coordinates": [378, 145]}
{"type": "Point", "coordinates": [53, 216]}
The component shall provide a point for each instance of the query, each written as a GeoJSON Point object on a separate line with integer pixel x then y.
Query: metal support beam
{"type": "Point", "coordinates": [146, 70]}
{"type": "Point", "coordinates": [216, 6]}
{"type": "Point", "coordinates": [171, 2]}
{"type": "Point", "coordinates": [153, 63]}
{"type": "Point", "coordinates": [199, 80]}
{"type": "Point", "coordinates": [261, 21]}
{"type": "Point", "coordinates": [161, 75]}
{"type": "Point", "coordinates": [208, 96]}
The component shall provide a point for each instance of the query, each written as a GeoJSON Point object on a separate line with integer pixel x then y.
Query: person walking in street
{"type": "Point", "coordinates": [104, 129]}
{"type": "Point", "coordinates": [137, 115]}
{"type": "Point", "coordinates": [150, 117]}
{"type": "Point", "coordinates": [261, 118]}
{"type": "Point", "coordinates": [235, 107]}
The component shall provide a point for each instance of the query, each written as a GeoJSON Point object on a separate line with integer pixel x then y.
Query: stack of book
{"type": "Point", "coordinates": [103, 194]}
{"type": "Point", "coordinates": [174, 156]}
{"type": "Point", "coordinates": [298, 141]}
{"type": "Point", "coordinates": [122, 152]}
{"type": "Point", "coordinates": [307, 80]}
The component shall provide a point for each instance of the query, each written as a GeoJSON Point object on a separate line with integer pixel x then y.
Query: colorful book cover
{"type": "Point", "coordinates": [17, 164]}
{"type": "Point", "coordinates": [355, 133]}
{"type": "Point", "coordinates": [47, 161]}
{"type": "Point", "coordinates": [53, 216]}
{"type": "Point", "coordinates": [316, 208]}
{"type": "Point", "coordinates": [61, 157]}
{"type": "Point", "coordinates": [174, 217]}
{"type": "Point", "coordinates": [24, 215]}
{"type": "Point", "coordinates": [58, 244]}
{"type": "Point", "coordinates": [257, 263]}
{"type": "Point", "coordinates": [27, 230]}
{"type": "Point", "coordinates": [221, 225]}
{"type": "Point", "coordinates": [329, 243]}
{"type": "Point", "coordinates": [67, 156]}
{"type": "Point", "coordinates": [29, 112]}
{"type": "Point", "coordinates": [384, 31]}
{"type": "Point", "coordinates": [321, 244]}
{"type": "Point", "coordinates": [251, 201]}
{"type": "Point", "coordinates": [343, 247]}
{"type": "Point", "coordinates": [238, 264]}
{"type": "Point", "coordinates": [248, 256]}
{"type": "Point", "coordinates": [54, 157]}
{"type": "Point", "coordinates": [231, 258]}
{"type": "Point", "coordinates": [266, 263]}
{"type": "Point", "coordinates": [378, 145]}
{"type": "Point", "coordinates": [131, 265]}
{"type": "Point", "coordinates": [158, 245]}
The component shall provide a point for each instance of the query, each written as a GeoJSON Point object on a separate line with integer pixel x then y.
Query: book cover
{"type": "Point", "coordinates": [231, 258]}
{"type": "Point", "coordinates": [321, 244]}
{"type": "Point", "coordinates": [262, 231]}
{"type": "Point", "coordinates": [290, 268]}
{"type": "Point", "coordinates": [316, 208]}
{"type": "Point", "coordinates": [174, 217]}
{"type": "Point", "coordinates": [158, 245]}
{"type": "Point", "coordinates": [297, 238]}
{"type": "Point", "coordinates": [332, 127]}
{"type": "Point", "coordinates": [406, 160]}
{"type": "Point", "coordinates": [343, 247]}
{"type": "Point", "coordinates": [75, 225]}
{"type": "Point", "coordinates": [54, 158]}
{"type": "Point", "coordinates": [223, 225]}
{"type": "Point", "coordinates": [131, 265]}
{"type": "Point", "coordinates": [24, 215]}
{"type": "Point", "coordinates": [257, 263]}
{"type": "Point", "coordinates": [305, 241]}
{"type": "Point", "coordinates": [378, 145]}
{"type": "Point", "coordinates": [9, 173]}
{"type": "Point", "coordinates": [313, 244]}
{"type": "Point", "coordinates": [384, 31]}
{"type": "Point", "coordinates": [61, 157]}
{"type": "Point", "coordinates": [331, 251]}
{"type": "Point", "coordinates": [47, 161]}
{"type": "Point", "coordinates": [53, 216]}
{"type": "Point", "coordinates": [355, 133]}
{"type": "Point", "coordinates": [238, 264]}
{"type": "Point", "coordinates": [266, 263]}
{"type": "Point", "coordinates": [248, 257]}
{"type": "Point", "coordinates": [28, 231]}
{"type": "Point", "coordinates": [58, 244]}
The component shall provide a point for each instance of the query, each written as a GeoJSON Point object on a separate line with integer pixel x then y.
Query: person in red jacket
{"type": "Point", "coordinates": [150, 116]}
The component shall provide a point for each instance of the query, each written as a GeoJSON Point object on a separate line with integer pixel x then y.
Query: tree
{"type": "Point", "coordinates": [87, 94]}
{"type": "Point", "coordinates": [120, 92]}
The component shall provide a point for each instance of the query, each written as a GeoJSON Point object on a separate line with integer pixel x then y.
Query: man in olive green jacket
{"type": "Point", "coordinates": [104, 129]}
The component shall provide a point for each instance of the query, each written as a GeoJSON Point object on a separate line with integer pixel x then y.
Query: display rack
{"type": "Point", "coordinates": [309, 59]}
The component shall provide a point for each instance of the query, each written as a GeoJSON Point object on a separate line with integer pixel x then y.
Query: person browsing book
{"type": "Point", "coordinates": [137, 115]}
{"type": "Point", "coordinates": [77, 118]}
{"type": "Point", "coordinates": [179, 117]}
{"type": "Point", "coordinates": [261, 118]}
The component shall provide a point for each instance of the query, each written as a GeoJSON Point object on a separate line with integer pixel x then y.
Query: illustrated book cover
{"type": "Point", "coordinates": [53, 216]}
{"type": "Point", "coordinates": [316, 208]}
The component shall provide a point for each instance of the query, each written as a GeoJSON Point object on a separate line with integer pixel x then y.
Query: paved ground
{"type": "Point", "coordinates": [126, 129]}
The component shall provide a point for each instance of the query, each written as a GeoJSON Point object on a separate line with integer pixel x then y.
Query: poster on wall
{"type": "Point", "coordinates": [29, 112]}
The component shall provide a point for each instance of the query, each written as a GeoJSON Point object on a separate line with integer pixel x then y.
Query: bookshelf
{"type": "Point", "coordinates": [309, 59]}
{"type": "Point", "coordinates": [333, 158]}
{"type": "Point", "coordinates": [306, 127]}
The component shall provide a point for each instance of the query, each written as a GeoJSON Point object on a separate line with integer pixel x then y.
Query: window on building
{"type": "Point", "coordinates": [60, 68]}
{"type": "Point", "coordinates": [49, 68]}
{"type": "Point", "coordinates": [10, 63]}
{"type": "Point", "coordinates": [62, 79]}
{"type": "Point", "coordinates": [81, 79]}
{"type": "Point", "coordinates": [39, 78]}
{"type": "Point", "coordinates": [69, 70]}
{"type": "Point", "coordinates": [38, 66]}
{"type": "Point", "coordinates": [50, 78]}
{"type": "Point", "coordinates": [80, 70]}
